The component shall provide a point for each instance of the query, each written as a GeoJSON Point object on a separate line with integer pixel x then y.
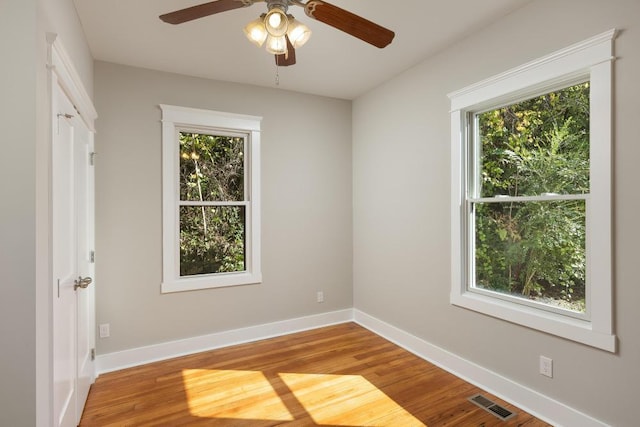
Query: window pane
{"type": "Point", "coordinates": [212, 239]}
{"type": "Point", "coordinates": [537, 146]}
{"type": "Point", "coordinates": [532, 250]}
{"type": "Point", "coordinates": [211, 167]}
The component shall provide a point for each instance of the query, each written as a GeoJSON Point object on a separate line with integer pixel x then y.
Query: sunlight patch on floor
{"type": "Point", "coordinates": [245, 395]}
{"type": "Point", "coordinates": [332, 399]}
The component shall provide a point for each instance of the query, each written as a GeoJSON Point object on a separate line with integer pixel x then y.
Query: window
{"type": "Point", "coordinates": [211, 199]}
{"type": "Point", "coordinates": [531, 194]}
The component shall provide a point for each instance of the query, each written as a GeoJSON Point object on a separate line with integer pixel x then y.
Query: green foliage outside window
{"type": "Point", "coordinates": [534, 249]}
{"type": "Point", "coordinates": [212, 228]}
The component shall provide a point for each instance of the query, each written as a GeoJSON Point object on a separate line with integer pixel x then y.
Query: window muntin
{"type": "Point", "coordinates": [527, 195]}
{"type": "Point", "coordinates": [588, 61]}
{"type": "Point", "coordinates": [211, 199]}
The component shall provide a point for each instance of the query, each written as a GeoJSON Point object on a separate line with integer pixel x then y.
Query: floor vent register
{"type": "Point", "coordinates": [492, 407]}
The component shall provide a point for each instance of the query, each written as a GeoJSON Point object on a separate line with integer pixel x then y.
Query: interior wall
{"type": "Point", "coordinates": [401, 185]}
{"type": "Point", "coordinates": [18, 22]}
{"type": "Point", "coordinates": [60, 17]}
{"type": "Point", "coordinates": [25, 365]}
{"type": "Point", "coordinates": [306, 208]}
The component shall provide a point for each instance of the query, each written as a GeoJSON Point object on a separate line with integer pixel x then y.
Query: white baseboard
{"type": "Point", "coordinates": [531, 401]}
{"type": "Point", "coordinates": [139, 356]}
{"type": "Point", "coordinates": [535, 403]}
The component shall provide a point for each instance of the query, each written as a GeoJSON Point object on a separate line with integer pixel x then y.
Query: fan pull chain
{"type": "Point", "coordinates": [277, 74]}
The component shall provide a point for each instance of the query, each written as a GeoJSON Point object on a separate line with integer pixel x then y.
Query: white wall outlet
{"type": "Point", "coordinates": [104, 330]}
{"type": "Point", "coordinates": [320, 296]}
{"type": "Point", "coordinates": [546, 366]}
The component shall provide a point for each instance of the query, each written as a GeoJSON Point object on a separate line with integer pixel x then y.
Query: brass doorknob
{"type": "Point", "coordinates": [82, 282]}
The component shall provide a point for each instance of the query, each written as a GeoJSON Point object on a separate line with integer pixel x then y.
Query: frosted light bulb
{"type": "Point", "coordinates": [275, 19]}
{"type": "Point", "coordinates": [256, 34]}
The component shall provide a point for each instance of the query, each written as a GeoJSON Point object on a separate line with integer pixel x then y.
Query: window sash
{"type": "Point", "coordinates": [221, 203]}
{"type": "Point", "coordinates": [470, 269]}
{"type": "Point", "coordinates": [473, 191]}
{"type": "Point", "coordinates": [217, 132]}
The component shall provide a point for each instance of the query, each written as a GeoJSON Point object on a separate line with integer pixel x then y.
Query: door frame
{"type": "Point", "coordinates": [61, 72]}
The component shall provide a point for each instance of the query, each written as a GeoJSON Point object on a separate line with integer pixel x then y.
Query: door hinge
{"type": "Point", "coordinates": [66, 116]}
{"type": "Point", "coordinates": [93, 354]}
{"type": "Point", "coordinates": [92, 158]}
{"type": "Point", "coordinates": [92, 256]}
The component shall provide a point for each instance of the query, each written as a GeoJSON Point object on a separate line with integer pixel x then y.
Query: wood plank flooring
{"type": "Point", "coordinates": [341, 375]}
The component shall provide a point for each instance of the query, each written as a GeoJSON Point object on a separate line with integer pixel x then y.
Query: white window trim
{"type": "Point", "coordinates": [174, 120]}
{"type": "Point", "coordinates": [591, 59]}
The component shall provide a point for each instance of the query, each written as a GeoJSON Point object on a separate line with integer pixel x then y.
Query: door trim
{"type": "Point", "coordinates": [62, 67]}
{"type": "Point", "coordinates": [60, 71]}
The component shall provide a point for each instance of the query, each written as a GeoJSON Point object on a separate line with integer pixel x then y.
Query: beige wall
{"type": "Point", "coordinates": [401, 207]}
{"type": "Point", "coordinates": [25, 307]}
{"type": "Point", "coordinates": [60, 17]}
{"type": "Point", "coordinates": [17, 227]}
{"type": "Point", "coordinates": [306, 208]}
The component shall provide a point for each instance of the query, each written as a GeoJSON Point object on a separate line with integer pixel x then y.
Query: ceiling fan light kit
{"type": "Point", "coordinates": [281, 31]}
{"type": "Point", "coordinates": [274, 27]}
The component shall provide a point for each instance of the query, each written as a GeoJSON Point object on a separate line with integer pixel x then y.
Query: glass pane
{"type": "Point", "coordinates": [537, 146]}
{"type": "Point", "coordinates": [532, 250]}
{"type": "Point", "coordinates": [211, 167]}
{"type": "Point", "coordinates": [212, 239]}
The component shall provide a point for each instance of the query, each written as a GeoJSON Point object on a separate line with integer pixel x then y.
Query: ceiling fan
{"type": "Point", "coordinates": [281, 31]}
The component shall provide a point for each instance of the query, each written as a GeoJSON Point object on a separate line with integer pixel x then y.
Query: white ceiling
{"type": "Point", "coordinates": [332, 63]}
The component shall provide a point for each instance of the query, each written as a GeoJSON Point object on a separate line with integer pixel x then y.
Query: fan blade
{"type": "Point", "coordinates": [348, 22]}
{"type": "Point", "coordinates": [201, 10]}
{"type": "Point", "coordinates": [284, 60]}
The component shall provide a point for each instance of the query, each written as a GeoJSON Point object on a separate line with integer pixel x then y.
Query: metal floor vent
{"type": "Point", "coordinates": [492, 407]}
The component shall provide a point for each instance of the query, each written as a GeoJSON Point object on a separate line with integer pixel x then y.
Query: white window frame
{"type": "Point", "coordinates": [590, 60]}
{"type": "Point", "coordinates": [177, 119]}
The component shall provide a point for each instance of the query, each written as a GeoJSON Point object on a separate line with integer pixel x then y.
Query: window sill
{"type": "Point", "coordinates": [210, 281]}
{"type": "Point", "coordinates": [573, 329]}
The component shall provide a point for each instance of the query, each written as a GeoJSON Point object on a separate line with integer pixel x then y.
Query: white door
{"type": "Point", "coordinates": [72, 240]}
{"type": "Point", "coordinates": [85, 297]}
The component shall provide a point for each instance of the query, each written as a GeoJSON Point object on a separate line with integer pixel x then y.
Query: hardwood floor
{"type": "Point", "coordinates": [341, 375]}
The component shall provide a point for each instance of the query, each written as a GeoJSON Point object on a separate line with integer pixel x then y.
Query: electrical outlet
{"type": "Point", "coordinates": [104, 330]}
{"type": "Point", "coordinates": [546, 366]}
{"type": "Point", "coordinates": [320, 296]}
